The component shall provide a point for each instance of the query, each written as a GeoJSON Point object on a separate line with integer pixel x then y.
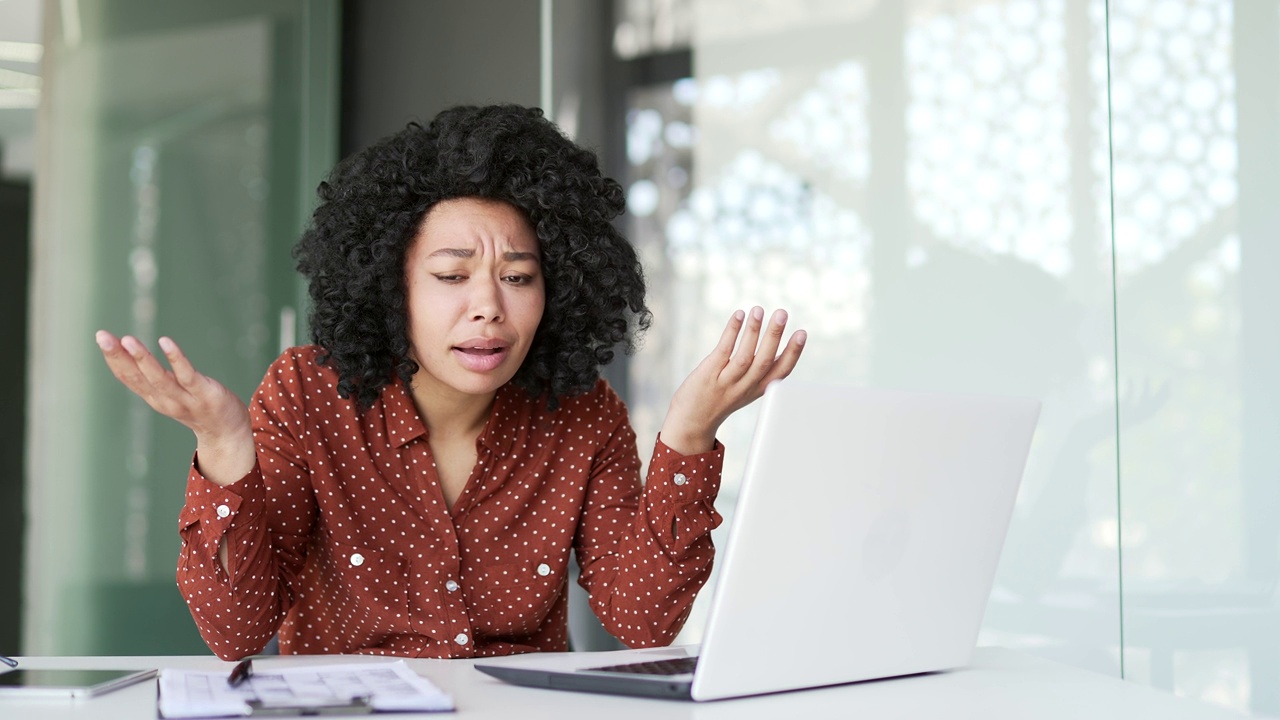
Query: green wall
{"type": "Point", "coordinates": [183, 144]}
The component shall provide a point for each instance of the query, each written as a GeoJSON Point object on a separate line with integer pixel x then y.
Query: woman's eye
{"type": "Point", "coordinates": [445, 277]}
{"type": "Point", "coordinates": [518, 279]}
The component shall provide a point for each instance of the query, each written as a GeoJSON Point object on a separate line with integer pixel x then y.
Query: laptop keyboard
{"type": "Point", "coordinates": [675, 666]}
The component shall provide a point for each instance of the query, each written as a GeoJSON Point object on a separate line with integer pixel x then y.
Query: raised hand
{"type": "Point", "coordinates": [728, 379]}
{"type": "Point", "coordinates": [220, 420]}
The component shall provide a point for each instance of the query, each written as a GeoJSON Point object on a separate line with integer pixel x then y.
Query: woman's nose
{"type": "Point", "coordinates": [486, 301]}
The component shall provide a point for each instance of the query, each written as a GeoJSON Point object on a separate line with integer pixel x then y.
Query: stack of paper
{"type": "Point", "coordinates": [388, 687]}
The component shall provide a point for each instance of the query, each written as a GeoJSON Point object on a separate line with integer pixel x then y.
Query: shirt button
{"type": "Point", "coordinates": [223, 511]}
{"type": "Point", "coordinates": [357, 559]}
{"type": "Point", "coordinates": [460, 638]}
{"type": "Point", "coordinates": [544, 569]}
{"type": "Point", "coordinates": [680, 479]}
{"type": "Point", "coordinates": [451, 586]}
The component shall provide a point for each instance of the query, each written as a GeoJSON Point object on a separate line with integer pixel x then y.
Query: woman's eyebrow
{"type": "Point", "coordinates": [509, 256]}
{"type": "Point", "coordinates": [453, 252]}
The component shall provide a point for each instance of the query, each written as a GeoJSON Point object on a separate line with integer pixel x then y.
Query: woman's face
{"type": "Point", "coordinates": [475, 296]}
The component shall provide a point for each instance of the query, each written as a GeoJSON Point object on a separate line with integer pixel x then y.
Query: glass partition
{"type": "Point", "coordinates": [1073, 201]}
{"type": "Point", "coordinates": [182, 145]}
{"type": "Point", "coordinates": [930, 202]}
{"type": "Point", "coordinates": [1196, 127]}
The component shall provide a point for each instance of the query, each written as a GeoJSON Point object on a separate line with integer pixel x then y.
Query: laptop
{"type": "Point", "coordinates": [863, 546]}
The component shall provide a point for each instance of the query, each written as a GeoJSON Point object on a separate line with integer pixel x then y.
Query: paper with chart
{"type": "Point", "coordinates": [389, 686]}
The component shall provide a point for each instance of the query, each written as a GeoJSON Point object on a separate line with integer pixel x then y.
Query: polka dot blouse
{"type": "Point", "coordinates": [340, 539]}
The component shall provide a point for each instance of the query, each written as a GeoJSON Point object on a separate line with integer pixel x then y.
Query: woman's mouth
{"type": "Point", "coordinates": [480, 358]}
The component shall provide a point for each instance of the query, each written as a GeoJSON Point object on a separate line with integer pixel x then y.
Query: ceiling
{"type": "Point", "coordinates": [19, 81]}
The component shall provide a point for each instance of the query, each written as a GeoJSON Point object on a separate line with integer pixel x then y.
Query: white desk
{"type": "Point", "coordinates": [1001, 684]}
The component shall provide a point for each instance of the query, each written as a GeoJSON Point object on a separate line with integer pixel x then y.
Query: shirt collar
{"type": "Point", "coordinates": [498, 432]}
{"type": "Point", "coordinates": [404, 424]}
{"type": "Point", "coordinates": [400, 415]}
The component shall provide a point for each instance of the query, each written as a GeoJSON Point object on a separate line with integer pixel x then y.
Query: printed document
{"type": "Point", "coordinates": [386, 687]}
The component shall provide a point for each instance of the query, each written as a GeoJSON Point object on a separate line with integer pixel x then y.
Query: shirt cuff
{"type": "Point", "coordinates": [218, 508]}
{"type": "Point", "coordinates": [684, 478]}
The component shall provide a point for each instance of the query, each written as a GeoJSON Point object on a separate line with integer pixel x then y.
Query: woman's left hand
{"type": "Point", "coordinates": [728, 379]}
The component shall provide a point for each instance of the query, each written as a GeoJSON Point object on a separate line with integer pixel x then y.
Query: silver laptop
{"type": "Point", "coordinates": [863, 546]}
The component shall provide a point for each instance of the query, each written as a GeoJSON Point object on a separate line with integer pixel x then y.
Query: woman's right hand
{"type": "Point", "coordinates": [220, 420]}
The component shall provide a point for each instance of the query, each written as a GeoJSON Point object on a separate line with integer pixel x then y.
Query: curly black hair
{"type": "Point", "coordinates": [371, 207]}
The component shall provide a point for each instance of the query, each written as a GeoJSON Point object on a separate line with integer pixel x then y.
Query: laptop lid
{"type": "Point", "coordinates": [865, 539]}
{"type": "Point", "coordinates": [864, 545]}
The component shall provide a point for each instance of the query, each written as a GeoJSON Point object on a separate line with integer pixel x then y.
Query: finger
{"type": "Point", "coordinates": [724, 347]}
{"type": "Point", "coordinates": [121, 363]}
{"type": "Point", "coordinates": [183, 371]}
{"type": "Point", "coordinates": [786, 362]}
{"type": "Point", "coordinates": [746, 352]}
{"type": "Point", "coordinates": [152, 371]}
{"type": "Point", "coordinates": [107, 342]}
{"type": "Point", "coordinates": [767, 352]}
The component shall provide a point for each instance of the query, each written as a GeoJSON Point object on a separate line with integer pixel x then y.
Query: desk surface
{"type": "Point", "coordinates": [1000, 684]}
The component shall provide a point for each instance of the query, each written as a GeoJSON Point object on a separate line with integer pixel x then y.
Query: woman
{"type": "Point", "coordinates": [413, 483]}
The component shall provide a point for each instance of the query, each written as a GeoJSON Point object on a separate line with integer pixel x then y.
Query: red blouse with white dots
{"type": "Point", "coordinates": [340, 539]}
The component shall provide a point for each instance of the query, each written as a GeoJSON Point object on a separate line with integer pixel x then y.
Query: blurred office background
{"type": "Point", "coordinates": [1074, 200]}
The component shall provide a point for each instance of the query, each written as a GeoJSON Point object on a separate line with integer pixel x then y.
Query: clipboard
{"type": "Point", "coordinates": [281, 688]}
{"type": "Point", "coordinates": [356, 706]}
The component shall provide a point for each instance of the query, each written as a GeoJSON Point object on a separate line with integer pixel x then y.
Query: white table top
{"type": "Point", "coordinates": [1000, 684]}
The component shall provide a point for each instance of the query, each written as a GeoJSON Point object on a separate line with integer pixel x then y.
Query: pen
{"type": "Point", "coordinates": [240, 672]}
{"type": "Point", "coordinates": [8, 661]}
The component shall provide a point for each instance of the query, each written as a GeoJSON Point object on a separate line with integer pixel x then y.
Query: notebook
{"type": "Point", "coordinates": [863, 546]}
